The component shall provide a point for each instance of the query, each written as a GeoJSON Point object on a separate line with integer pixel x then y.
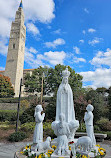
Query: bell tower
{"type": "Point", "coordinates": [16, 48]}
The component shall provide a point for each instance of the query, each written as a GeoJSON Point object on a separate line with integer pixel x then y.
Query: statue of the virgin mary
{"type": "Point", "coordinates": [64, 102]}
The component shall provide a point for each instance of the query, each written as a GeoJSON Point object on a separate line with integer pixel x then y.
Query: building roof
{"type": "Point", "coordinates": [23, 70]}
{"type": "Point", "coordinates": [2, 70]}
{"type": "Point", "coordinates": [28, 69]}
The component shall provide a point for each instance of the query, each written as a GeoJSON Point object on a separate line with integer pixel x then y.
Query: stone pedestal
{"type": "Point", "coordinates": [59, 156]}
{"type": "Point", "coordinates": [90, 154]}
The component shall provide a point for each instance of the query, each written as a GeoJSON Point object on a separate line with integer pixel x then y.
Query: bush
{"type": "Point", "coordinates": [104, 124]}
{"type": "Point", "coordinates": [24, 104]}
{"type": "Point", "coordinates": [48, 130]}
{"type": "Point", "coordinates": [108, 135]}
{"type": "Point", "coordinates": [28, 127]}
{"type": "Point", "coordinates": [15, 100]}
{"type": "Point", "coordinates": [50, 111]}
{"type": "Point", "coordinates": [8, 115]}
{"type": "Point", "coordinates": [28, 115]}
{"type": "Point", "coordinates": [96, 128]}
{"type": "Point", "coordinates": [82, 128]}
{"type": "Point", "coordinates": [17, 136]}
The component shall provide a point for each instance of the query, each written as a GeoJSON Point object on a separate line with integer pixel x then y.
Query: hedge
{"type": "Point", "coordinates": [15, 100]}
{"type": "Point", "coordinates": [9, 115]}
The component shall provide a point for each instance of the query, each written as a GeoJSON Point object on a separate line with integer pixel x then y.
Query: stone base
{"type": "Point", "coordinates": [59, 156]}
{"type": "Point", "coordinates": [90, 154]}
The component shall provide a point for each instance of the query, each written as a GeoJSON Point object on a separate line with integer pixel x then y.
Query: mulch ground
{"type": "Point", "coordinates": [4, 134]}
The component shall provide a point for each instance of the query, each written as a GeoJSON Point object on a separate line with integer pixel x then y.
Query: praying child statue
{"type": "Point", "coordinates": [38, 132]}
{"type": "Point", "coordinates": [88, 118]}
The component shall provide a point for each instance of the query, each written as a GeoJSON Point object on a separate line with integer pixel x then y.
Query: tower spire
{"type": "Point", "coordinates": [21, 4]}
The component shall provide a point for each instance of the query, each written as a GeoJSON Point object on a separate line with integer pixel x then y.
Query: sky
{"type": "Point", "coordinates": [70, 32]}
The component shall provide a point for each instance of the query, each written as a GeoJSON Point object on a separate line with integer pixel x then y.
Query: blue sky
{"type": "Point", "coordinates": [70, 32]}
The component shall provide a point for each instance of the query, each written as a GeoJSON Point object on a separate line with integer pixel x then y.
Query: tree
{"type": "Point", "coordinates": [109, 101]}
{"type": "Point", "coordinates": [6, 89]}
{"type": "Point", "coordinates": [101, 90]}
{"type": "Point", "coordinates": [97, 100]}
{"type": "Point", "coordinates": [80, 104]}
{"type": "Point", "coordinates": [52, 79]}
{"type": "Point", "coordinates": [33, 82]}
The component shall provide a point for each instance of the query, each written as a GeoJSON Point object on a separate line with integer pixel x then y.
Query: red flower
{"type": "Point", "coordinates": [71, 142]}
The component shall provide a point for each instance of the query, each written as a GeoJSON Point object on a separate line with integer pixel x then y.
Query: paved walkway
{"type": "Point", "coordinates": [8, 150]}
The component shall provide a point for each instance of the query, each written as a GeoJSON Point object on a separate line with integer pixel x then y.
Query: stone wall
{"type": "Point", "coordinates": [8, 106]}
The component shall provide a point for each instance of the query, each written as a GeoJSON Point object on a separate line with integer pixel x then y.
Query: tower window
{"type": "Point", "coordinates": [14, 46]}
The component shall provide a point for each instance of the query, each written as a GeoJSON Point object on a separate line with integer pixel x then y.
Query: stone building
{"type": "Point", "coordinates": [15, 57]}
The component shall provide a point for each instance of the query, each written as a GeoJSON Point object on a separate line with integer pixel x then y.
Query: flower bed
{"type": "Point", "coordinates": [31, 154]}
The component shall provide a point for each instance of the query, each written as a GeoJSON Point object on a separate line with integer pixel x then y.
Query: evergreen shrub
{"type": "Point", "coordinates": [28, 115]}
{"type": "Point", "coordinates": [17, 136]}
{"type": "Point", "coordinates": [108, 135]}
{"type": "Point", "coordinates": [48, 130]}
{"type": "Point", "coordinates": [28, 127]}
{"type": "Point", "coordinates": [9, 115]}
{"type": "Point", "coordinates": [104, 124]}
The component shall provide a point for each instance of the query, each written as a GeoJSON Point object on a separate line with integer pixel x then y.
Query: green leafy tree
{"type": "Point", "coordinates": [6, 89]}
{"type": "Point", "coordinates": [33, 82]}
{"type": "Point", "coordinates": [97, 100]}
{"type": "Point", "coordinates": [109, 101]}
{"type": "Point", "coordinates": [101, 90]}
{"type": "Point", "coordinates": [80, 104]}
{"type": "Point", "coordinates": [52, 79]}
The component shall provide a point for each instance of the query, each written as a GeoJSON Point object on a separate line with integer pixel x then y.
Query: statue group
{"type": "Point", "coordinates": [65, 124]}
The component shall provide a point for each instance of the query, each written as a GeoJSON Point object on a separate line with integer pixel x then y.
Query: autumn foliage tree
{"type": "Point", "coordinates": [6, 89]}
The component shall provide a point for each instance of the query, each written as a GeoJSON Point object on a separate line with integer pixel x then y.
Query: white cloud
{"type": "Point", "coordinates": [55, 43]}
{"type": "Point", "coordinates": [34, 10]}
{"type": "Point", "coordinates": [86, 10]}
{"type": "Point", "coordinates": [91, 30]}
{"type": "Point", "coordinates": [99, 78]}
{"type": "Point", "coordinates": [3, 47]}
{"type": "Point", "coordinates": [77, 50]}
{"type": "Point", "coordinates": [58, 31]}
{"type": "Point", "coordinates": [84, 32]}
{"type": "Point", "coordinates": [102, 58]}
{"type": "Point", "coordinates": [39, 10]}
{"type": "Point", "coordinates": [31, 58]}
{"type": "Point", "coordinates": [31, 50]}
{"type": "Point", "coordinates": [77, 60]}
{"type": "Point", "coordinates": [2, 68]}
{"type": "Point", "coordinates": [55, 58]}
{"type": "Point", "coordinates": [52, 58]}
{"type": "Point", "coordinates": [96, 40]}
{"type": "Point", "coordinates": [33, 29]}
{"type": "Point", "coordinates": [81, 41]}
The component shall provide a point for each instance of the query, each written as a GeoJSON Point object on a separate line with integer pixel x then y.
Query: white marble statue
{"type": "Point", "coordinates": [73, 126]}
{"type": "Point", "coordinates": [38, 132]}
{"type": "Point", "coordinates": [64, 102]}
{"type": "Point", "coordinates": [88, 118]}
{"type": "Point", "coordinates": [85, 143]}
{"type": "Point", "coordinates": [42, 146]}
{"type": "Point", "coordinates": [61, 130]}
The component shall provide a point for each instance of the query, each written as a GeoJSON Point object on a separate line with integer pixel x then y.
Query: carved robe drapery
{"type": "Point", "coordinates": [64, 103]}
